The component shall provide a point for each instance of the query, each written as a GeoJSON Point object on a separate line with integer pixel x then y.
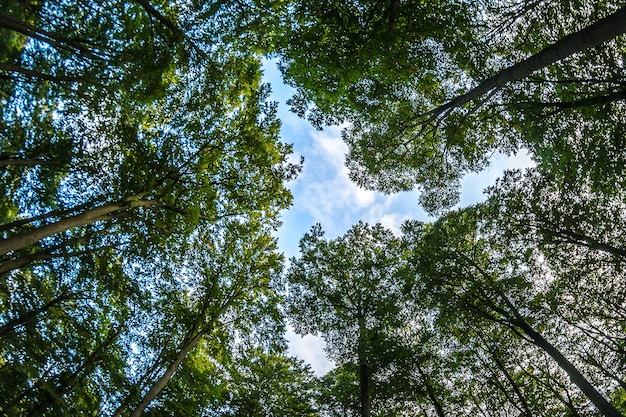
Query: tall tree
{"type": "Point", "coordinates": [436, 104]}
{"type": "Point", "coordinates": [345, 290]}
{"type": "Point", "coordinates": [462, 272]}
{"type": "Point", "coordinates": [128, 131]}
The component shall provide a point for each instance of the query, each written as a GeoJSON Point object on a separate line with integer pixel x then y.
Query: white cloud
{"type": "Point", "coordinates": [325, 190]}
{"type": "Point", "coordinates": [309, 348]}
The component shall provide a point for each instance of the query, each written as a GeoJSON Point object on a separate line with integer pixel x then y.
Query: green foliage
{"type": "Point", "coordinates": [142, 134]}
{"type": "Point", "coordinates": [398, 75]}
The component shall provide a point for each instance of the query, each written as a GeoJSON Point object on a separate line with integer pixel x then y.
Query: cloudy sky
{"type": "Point", "coordinates": [324, 194]}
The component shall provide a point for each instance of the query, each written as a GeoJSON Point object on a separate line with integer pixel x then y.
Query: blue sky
{"type": "Point", "coordinates": [324, 194]}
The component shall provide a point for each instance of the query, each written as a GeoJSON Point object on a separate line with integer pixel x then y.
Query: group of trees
{"type": "Point", "coordinates": [142, 177]}
{"type": "Point", "coordinates": [514, 306]}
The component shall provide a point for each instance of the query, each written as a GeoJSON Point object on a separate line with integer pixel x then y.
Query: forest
{"type": "Point", "coordinates": [143, 177]}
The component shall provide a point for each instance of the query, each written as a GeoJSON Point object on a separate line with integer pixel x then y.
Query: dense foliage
{"type": "Point", "coordinates": [142, 178]}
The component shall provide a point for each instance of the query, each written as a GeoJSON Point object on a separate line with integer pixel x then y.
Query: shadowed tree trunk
{"type": "Point", "coordinates": [9, 327]}
{"type": "Point", "coordinates": [514, 318]}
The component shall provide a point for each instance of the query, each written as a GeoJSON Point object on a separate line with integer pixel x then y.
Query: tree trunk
{"type": "Point", "coordinates": [23, 261]}
{"type": "Point", "coordinates": [583, 240]}
{"type": "Point", "coordinates": [431, 393]}
{"type": "Point", "coordinates": [574, 374]}
{"type": "Point", "coordinates": [524, 405]}
{"type": "Point", "coordinates": [364, 388]}
{"type": "Point", "coordinates": [160, 383]}
{"type": "Point", "coordinates": [85, 218]}
{"type": "Point", "coordinates": [514, 318]}
{"type": "Point", "coordinates": [30, 162]}
{"type": "Point", "coordinates": [602, 31]}
{"type": "Point", "coordinates": [187, 346]}
{"type": "Point", "coordinates": [601, 403]}
{"type": "Point", "coordinates": [9, 327]}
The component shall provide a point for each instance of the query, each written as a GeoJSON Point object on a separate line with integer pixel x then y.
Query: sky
{"type": "Point", "coordinates": [324, 194]}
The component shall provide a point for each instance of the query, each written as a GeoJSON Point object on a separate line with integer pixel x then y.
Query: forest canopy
{"type": "Point", "coordinates": [143, 177]}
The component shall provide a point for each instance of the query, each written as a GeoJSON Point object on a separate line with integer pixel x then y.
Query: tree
{"type": "Point", "coordinates": [262, 384]}
{"type": "Point", "coordinates": [465, 276]}
{"type": "Point", "coordinates": [230, 292]}
{"type": "Point", "coordinates": [427, 110]}
{"type": "Point", "coordinates": [345, 290]}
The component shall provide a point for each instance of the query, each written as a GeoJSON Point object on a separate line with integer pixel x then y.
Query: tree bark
{"type": "Point", "coordinates": [574, 374]}
{"type": "Point", "coordinates": [431, 393]}
{"type": "Point", "coordinates": [513, 318]}
{"type": "Point", "coordinates": [85, 218]}
{"type": "Point", "coordinates": [599, 32]}
{"type": "Point", "coordinates": [187, 346]}
{"type": "Point", "coordinates": [30, 162]}
{"type": "Point", "coordinates": [583, 240]}
{"type": "Point", "coordinates": [364, 374]}
{"type": "Point", "coordinates": [525, 409]}
{"type": "Point", "coordinates": [564, 105]}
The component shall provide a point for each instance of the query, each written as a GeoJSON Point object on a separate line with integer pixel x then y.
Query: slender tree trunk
{"type": "Point", "coordinates": [88, 364]}
{"type": "Point", "coordinates": [592, 361]}
{"type": "Point", "coordinates": [85, 218]}
{"type": "Point", "coordinates": [574, 374]}
{"type": "Point", "coordinates": [602, 31]}
{"type": "Point", "coordinates": [364, 387]}
{"type": "Point", "coordinates": [31, 162]}
{"type": "Point", "coordinates": [47, 254]}
{"type": "Point", "coordinates": [10, 326]}
{"type": "Point", "coordinates": [364, 371]}
{"type": "Point", "coordinates": [187, 346]}
{"type": "Point", "coordinates": [583, 240]}
{"type": "Point", "coordinates": [431, 393]}
{"type": "Point", "coordinates": [525, 409]}
{"type": "Point", "coordinates": [517, 320]}
{"type": "Point", "coordinates": [564, 105]}
{"type": "Point", "coordinates": [160, 383]}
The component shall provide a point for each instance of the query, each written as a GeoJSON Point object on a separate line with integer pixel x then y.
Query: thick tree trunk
{"type": "Point", "coordinates": [85, 218]}
{"type": "Point", "coordinates": [364, 389]}
{"type": "Point", "coordinates": [602, 31]}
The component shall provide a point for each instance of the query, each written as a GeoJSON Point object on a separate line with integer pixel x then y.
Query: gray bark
{"type": "Point", "coordinates": [596, 34]}
{"type": "Point", "coordinates": [26, 239]}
